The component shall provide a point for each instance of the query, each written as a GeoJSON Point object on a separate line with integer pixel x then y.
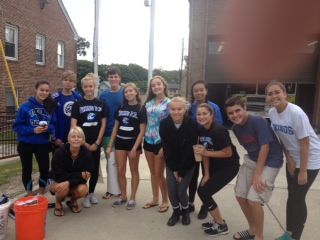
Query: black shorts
{"type": "Point", "coordinates": [126, 144]}
{"type": "Point", "coordinates": [155, 148]}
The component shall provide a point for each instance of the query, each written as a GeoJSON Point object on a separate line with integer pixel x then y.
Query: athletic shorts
{"type": "Point", "coordinates": [244, 188]}
{"type": "Point", "coordinates": [155, 148]}
{"type": "Point", "coordinates": [126, 144]}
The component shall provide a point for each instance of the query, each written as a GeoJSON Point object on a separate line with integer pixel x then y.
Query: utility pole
{"type": "Point", "coordinates": [96, 44]}
{"type": "Point", "coordinates": [182, 58]}
{"type": "Point", "coordinates": [151, 39]}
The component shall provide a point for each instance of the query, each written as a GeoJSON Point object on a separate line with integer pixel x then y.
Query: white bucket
{"type": "Point", "coordinates": [112, 175]}
{"type": "Point", "coordinates": [4, 213]}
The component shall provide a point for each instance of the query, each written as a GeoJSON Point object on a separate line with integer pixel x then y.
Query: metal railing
{"type": "Point", "coordinates": [8, 138]}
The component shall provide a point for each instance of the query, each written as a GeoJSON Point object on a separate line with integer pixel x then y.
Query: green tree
{"type": "Point", "coordinates": [84, 67]}
{"type": "Point", "coordinates": [169, 76]}
{"type": "Point", "coordinates": [82, 45]}
{"type": "Point", "coordinates": [140, 72]}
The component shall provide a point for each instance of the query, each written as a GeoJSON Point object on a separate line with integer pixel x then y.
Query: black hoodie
{"type": "Point", "coordinates": [177, 144]}
{"type": "Point", "coordinates": [64, 168]}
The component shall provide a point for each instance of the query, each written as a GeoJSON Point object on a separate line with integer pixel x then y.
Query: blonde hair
{"type": "Point", "coordinates": [151, 95]}
{"type": "Point", "coordinates": [69, 74]}
{"type": "Point", "coordinates": [130, 84]}
{"type": "Point", "coordinates": [77, 130]}
{"type": "Point", "coordinates": [88, 77]}
{"type": "Point", "coordinates": [181, 100]}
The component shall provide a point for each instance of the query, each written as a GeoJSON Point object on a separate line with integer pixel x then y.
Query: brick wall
{"type": "Point", "coordinates": [30, 20]}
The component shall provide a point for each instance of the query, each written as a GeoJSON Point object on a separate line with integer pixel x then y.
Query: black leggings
{"type": "Point", "coordinates": [95, 174]}
{"type": "Point", "coordinates": [41, 153]}
{"type": "Point", "coordinates": [194, 183]}
{"type": "Point", "coordinates": [219, 178]}
{"type": "Point", "coordinates": [296, 203]}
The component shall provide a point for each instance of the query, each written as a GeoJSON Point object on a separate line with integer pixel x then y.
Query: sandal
{"type": "Point", "coordinates": [58, 212]}
{"type": "Point", "coordinates": [73, 208]}
{"type": "Point", "coordinates": [150, 205]}
{"type": "Point", "coordinates": [244, 235]}
{"type": "Point", "coordinates": [163, 209]}
{"type": "Point", "coordinates": [107, 195]}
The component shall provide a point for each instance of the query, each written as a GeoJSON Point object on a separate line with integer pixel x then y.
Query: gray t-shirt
{"type": "Point", "coordinates": [255, 133]}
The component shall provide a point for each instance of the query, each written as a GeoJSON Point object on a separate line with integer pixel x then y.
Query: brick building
{"type": "Point", "coordinates": [206, 40]}
{"type": "Point", "coordinates": [40, 43]}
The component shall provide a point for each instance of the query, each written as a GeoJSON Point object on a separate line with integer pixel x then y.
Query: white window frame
{"type": "Point", "coordinates": [41, 46]}
{"type": "Point", "coordinates": [60, 55]}
{"type": "Point", "coordinates": [10, 102]}
{"type": "Point", "coordinates": [15, 41]}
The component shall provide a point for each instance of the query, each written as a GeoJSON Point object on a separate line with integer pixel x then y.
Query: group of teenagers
{"type": "Point", "coordinates": [171, 132]}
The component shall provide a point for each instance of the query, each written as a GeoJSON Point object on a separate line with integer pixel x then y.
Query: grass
{"type": "Point", "coordinates": [14, 169]}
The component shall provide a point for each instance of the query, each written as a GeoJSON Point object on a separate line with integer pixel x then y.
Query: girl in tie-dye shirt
{"type": "Point", "coordinates": [157, 106]}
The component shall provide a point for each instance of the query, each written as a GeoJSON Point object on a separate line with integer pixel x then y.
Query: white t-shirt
{"type": "Point", "coordinates": [291, 125]}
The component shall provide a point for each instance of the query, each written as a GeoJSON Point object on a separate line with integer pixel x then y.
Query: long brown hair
{"type": "Point", "coordinates": [48, 102]}
{"type": "Point", "coordinates": [151, 95]}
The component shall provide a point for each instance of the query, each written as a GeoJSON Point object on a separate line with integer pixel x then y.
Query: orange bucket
{"type": "Point", "coordinates": [31, 220]}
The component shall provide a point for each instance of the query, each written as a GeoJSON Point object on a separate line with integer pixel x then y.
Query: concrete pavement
{"type": "Point", "coordinates": [102, 221]}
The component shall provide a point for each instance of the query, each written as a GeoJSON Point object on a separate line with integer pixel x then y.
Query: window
{"type": "Point", "coordinates": [11, 42]}
{"type": "Point", "coordinates": [10, 103]}
{"type": "Point", "coordinates": [60, 55]}
{"type": "Point", "coordinates": [215, 47]}
{"type": "Point", "coordinates": [40, 50]}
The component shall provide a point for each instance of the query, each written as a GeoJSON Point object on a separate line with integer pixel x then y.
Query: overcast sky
{"type": "Point", "coordinates": [125, 28]}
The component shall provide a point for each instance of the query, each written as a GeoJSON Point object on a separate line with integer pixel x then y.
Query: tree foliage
{"type": "Point", "coordinates": [82, 45]}
{"type": "Point", "coordinates": [130, 73]}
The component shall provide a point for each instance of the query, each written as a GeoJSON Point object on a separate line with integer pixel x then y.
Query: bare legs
{"type": "Point", "coordinates": [77, 192]}
{"type": "Point", "coordinates": [121, 157]}
{"type": "Point", "coordinates": [254, 214]}
{"type": "Point", "coordinates": [156, 166]}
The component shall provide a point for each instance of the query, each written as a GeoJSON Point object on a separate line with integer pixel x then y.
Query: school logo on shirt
{"type": "Point", "coordinates": [67, 107]}
{"type": "Point", "coordinates": [284, 129]}
{"type": "Point", "coordinates": [91, 117]}
{"type": "Point", "coordinates": [91, 120]}
{"type": "Point", "coordinates": [126, 121]}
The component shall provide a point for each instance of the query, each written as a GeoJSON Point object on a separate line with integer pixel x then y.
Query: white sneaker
{"type": "Point", "coordinates": [93, 198]}
{"type": "Point", "coordinates": [86, 202]}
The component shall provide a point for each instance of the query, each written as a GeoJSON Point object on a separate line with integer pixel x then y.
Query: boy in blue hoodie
{"type": "Point", "coordinates": [64, 100]}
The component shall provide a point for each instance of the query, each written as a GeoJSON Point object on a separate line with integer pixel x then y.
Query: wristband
{"type": "Point", "coordinates": [96, 144]}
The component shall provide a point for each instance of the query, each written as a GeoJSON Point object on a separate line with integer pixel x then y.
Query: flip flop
{"type": "Point", "coordinates": [58, 212]}
{"type": "Point", "coordinates": [244, 235]}
{"type": "Point", "coordinates": [163, 209]}
{"type": "Point", "coordinates": [107, 195]}
{"type": "Point", "coordinates": [73, 208]}
{"type": "Point", "coordinates": [150, 205]}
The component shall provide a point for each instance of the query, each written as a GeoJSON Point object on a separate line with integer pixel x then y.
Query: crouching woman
{"type": "Point", "coordinates": [71, 167]}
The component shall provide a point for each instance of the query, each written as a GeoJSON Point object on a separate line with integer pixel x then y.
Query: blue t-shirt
{"type": "Point", "coordinates": [112, 100]}
{"type": "Point", "coordinates": [255, 133]}
{"type": "Point", "coordinates": [216, 109]}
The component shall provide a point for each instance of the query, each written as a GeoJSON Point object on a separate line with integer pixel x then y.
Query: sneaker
{"type": "Point", "coordinates": [216, 230]}
{"type": "Point", "coordinates": [86, 202]}
{"type": "Point", "coordinates": [285, 236]}
{"type": "Point", "coordinates": [93, 198]}
{"type": "Point", "coordinates": [131, 204]}
{"type": "Point", "coordinates": [208, 225]}
{"type": "Point", "coordinates": [119, 202]}
{"type": "Point", "coordinates": [203, 213]}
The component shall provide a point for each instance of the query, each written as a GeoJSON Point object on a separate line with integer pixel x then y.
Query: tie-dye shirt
{"type": "Point", "coordinates": [155, 114]}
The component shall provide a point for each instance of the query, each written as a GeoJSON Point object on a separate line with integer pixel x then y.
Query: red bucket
{"type": "Point", "coordinates": [31, 220]}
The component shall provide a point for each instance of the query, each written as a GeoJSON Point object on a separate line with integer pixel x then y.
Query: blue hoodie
{"type": "Point", "coordinates": [27, 120]}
